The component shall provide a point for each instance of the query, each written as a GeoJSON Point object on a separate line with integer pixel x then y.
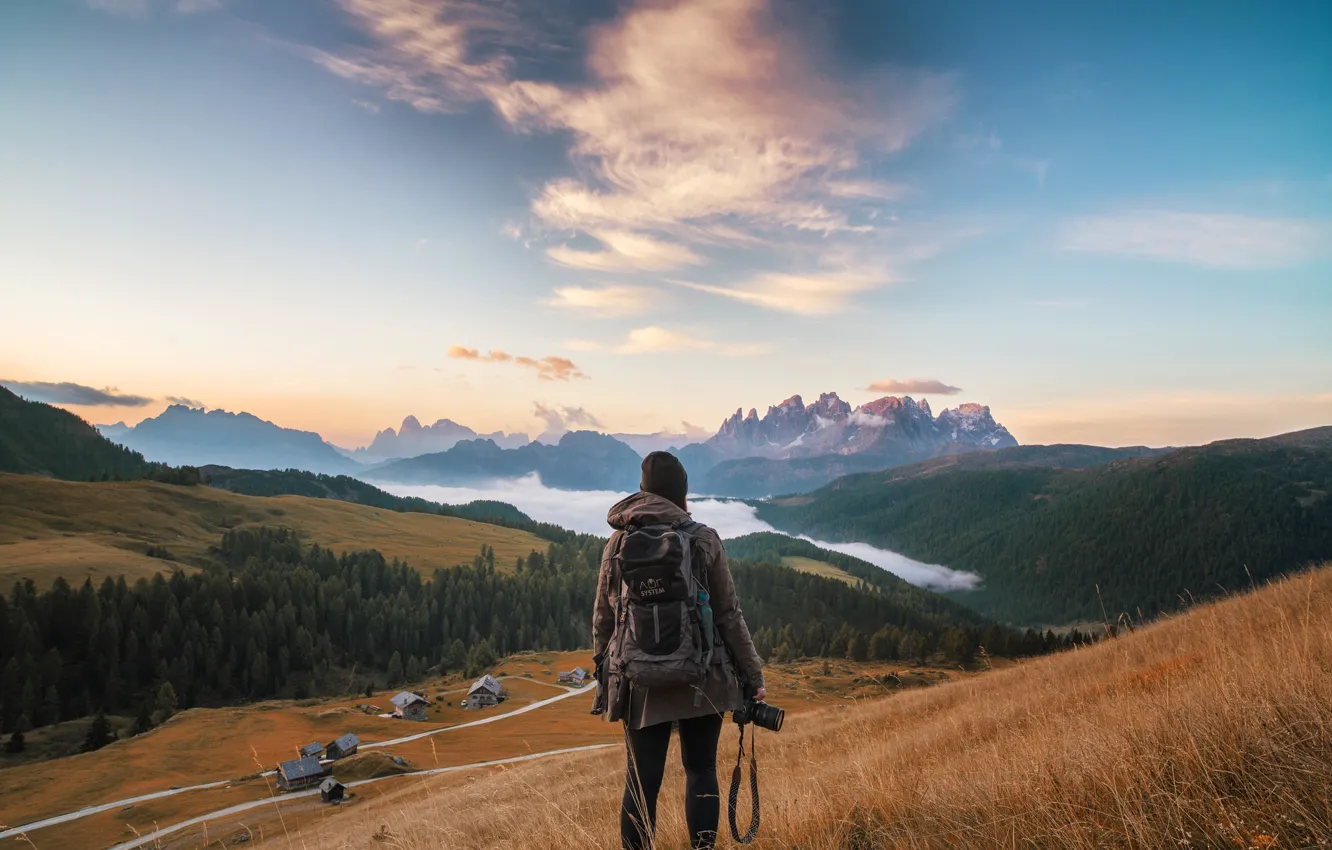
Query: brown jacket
{"type": "Point", "coordinates": [722, 692]}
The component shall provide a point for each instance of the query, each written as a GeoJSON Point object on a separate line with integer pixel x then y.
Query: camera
{"type": "Point", "coordinates": [761, 714]}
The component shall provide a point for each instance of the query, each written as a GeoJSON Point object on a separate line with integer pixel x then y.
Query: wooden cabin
{"type": "Point", "coordinates": [410, 706]}
{"type": "Point", "coordinates": [300, 773]}
{"type": "Point", "coordinates": [576, 677]}
{"type": "Point", "coordinates": [484, 691]}
{"type": "Point", "coordinates": [311, 749]}
{"type": "Point", "coordinates": [331, 790]}
{"type": "Point", "coordinates": [340, 748]}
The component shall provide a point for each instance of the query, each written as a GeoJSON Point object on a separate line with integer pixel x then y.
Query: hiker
{"type": "Point", "coordinates": [681, 653]}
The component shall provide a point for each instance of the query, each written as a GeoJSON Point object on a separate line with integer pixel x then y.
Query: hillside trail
{"type": "Point", "coordinates": [276, 800]}
{"type": "Point", "coordinates": [84, 812]}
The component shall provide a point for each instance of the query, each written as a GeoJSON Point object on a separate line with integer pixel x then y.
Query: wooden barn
{"type": "Point", "coordinates": [340, 748]}
{"type": "Point", "coordinates": [576, 677]}
{"type": "Point", "coordinates": [331, 790]}
{"type": "Point", "coordinates": [410, 706]}
{"type": "Point", "coordinates": [484, 691]}
{"type": "Point", "coordinates": [311, 749]}
{"type": "Point", "coordinates": [300, 773]}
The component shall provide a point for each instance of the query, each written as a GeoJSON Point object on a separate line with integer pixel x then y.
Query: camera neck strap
{"type": "Point", "coordinates": [753, 792]}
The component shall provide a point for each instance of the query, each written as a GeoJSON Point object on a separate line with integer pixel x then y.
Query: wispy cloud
{"type": "Point", "coordinates": [609, 301]}
{"type": "Point", "coordinates": [913, 385]}
{"type": "Point", "coordinates": [367, 105]}
{"type": "Point", "coordinates": [188, 402]}
{"type": "Point", "coordinates": [700, 124]}
{"type": "Point", "coordinates": [76, 394]}
{"type": "Point", "coordinates": [814, 294]}
{"type": "Point", "coordinates": [1213, 240]}
{"type": "Point", "coordinates": [549, 368]}
{"type": "Point", "coordinates": [559, 420]}
{"type": "Point", "coordinates": [141, 8]}
{"type": "Point", "coordinates": [656, 339]}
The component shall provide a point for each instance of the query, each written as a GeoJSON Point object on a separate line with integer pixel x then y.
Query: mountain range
{"type": "Point", "coordinates": [182, 435]}
{"type": "Point", "coordinates": [793, 446]}
{"type": "Point", "coordinates": [797, 446]}
{"type": "Point", "coordinates": [413, 439]}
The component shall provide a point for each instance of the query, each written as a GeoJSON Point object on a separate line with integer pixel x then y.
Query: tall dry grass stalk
{"type": "Point", "coordinates": [1212, 729]}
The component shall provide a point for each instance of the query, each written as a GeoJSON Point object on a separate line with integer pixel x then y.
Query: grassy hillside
{"type": "Point", "coordinates": [1148, 531]}
{"type": "Point", "coordinates": [1207, 730]}
{"type": "Point", "coordinates": [41, 439]}
{"type": "Point", "coordinates": [77, 529]}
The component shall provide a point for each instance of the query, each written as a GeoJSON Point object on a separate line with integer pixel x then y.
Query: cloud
{"type": "Point", "coordinates": [188, 402]}
{"type": "Point", "coordinates": [656, 339]}
{"type": "Point", "coordinates": [141, 8]}
{"type": "Point", "coordinates": [558, 421]}
{"type": "Point", "coordinates": [814, 294]}
{"type": "Point", "coordinates": [623, 251]}
{"type": "Point", "coordinates": [1212, 240]}
{"type": "Point", "coordinates": [368, 106]}
{"type": "Point", "coordinates": [913, 385]}
{"type": "Point", "coordinates": [606, 301]}
{"type": "Point", "coordinates": [549, 368]}
{"type": "Point", "coordinates": [697, 124]}
{"type": "Point", "coordinates": [585, 511]}
{"type": "Point", "coordinates": [76, 394]}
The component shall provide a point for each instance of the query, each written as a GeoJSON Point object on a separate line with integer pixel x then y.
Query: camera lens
{"type": "Point", "coordinates": [770, 717]}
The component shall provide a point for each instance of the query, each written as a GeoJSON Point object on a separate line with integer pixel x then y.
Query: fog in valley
{"type": "Point", "coordinates": [585, 511]}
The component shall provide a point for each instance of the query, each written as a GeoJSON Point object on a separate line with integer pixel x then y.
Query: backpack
{"type": "Point", "coordinates": [664, 633]}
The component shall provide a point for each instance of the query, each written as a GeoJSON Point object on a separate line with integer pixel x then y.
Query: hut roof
{"type": "Point", "coordinates": [329, 784]}
{"type": "Point", "coordinates": [346, 742]}
{"type": "Point", "coordinates": [301, 768]}
{"type": "Point", "coordinates": [312, 749]}
{"type": "Point", "coordinates": [485, 683]}
{"type": "Point", "coordinates": [406, 698]}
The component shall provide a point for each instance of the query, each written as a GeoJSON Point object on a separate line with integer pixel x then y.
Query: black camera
{"type": "Point", "coordinates": [761, 714]}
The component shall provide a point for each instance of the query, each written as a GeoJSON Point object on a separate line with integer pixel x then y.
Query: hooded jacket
{"type": "Point", "coordinates": [721, 692]}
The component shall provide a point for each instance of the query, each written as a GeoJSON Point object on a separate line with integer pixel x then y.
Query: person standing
{"type": "Point", "coordinates": [730, 667]}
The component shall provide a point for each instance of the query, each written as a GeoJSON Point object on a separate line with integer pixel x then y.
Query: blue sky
{"type": "Point", "coordinates": [1110, 222]}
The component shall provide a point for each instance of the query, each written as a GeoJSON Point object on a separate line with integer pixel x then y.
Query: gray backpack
{"type": "Point", "coordinates": [664, 633]}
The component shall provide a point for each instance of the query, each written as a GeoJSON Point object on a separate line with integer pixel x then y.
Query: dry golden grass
{"type": "Point", "coordinates": [76, 529]}
{"type": "Point", "coordinates": [819, 568]}
{"type": "Point", "coordinates": [1213, 729]}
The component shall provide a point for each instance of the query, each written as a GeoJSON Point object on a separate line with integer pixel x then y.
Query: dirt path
{"type": "Point", "coordinates": [129, 801]}
{"type": "Point", "coordinates": [278, 800]}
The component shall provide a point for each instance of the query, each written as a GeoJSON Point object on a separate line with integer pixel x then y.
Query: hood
{"type": "Point", "coordinates": [644, 509]}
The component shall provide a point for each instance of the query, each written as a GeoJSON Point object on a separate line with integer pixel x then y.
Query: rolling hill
{"type": "Point", "coordinates": [1146, 531]}
{"type": "Point", "coordinates": [81, 529]}
{"type": "Point", "coordinates": [41, 439]}
{"type": "Point", "coordinates": [1204, 730]}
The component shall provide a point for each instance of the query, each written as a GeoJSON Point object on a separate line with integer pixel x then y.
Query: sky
{"type": "Point", "coordinates": [1110, 222]}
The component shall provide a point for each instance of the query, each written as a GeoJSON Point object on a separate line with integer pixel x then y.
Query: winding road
{"type": "Point", "coordinates": [11, 832]}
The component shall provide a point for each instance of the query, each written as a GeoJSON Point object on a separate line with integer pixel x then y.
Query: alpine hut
{"type": "Point", "coordinates": [409, 706]}
{"type": "Point", "coordinates": [311, 749]}
{"type": "Point", "coordinates": [576, 677]}
{"type": "Point", "coordinates": [331, 790]}
{"type": "Point", "coordinates": [483, 692]}
{"type": "Point", "coordinates": [299, 773]}
{"type": "Point", "coordinates": [340, 748]}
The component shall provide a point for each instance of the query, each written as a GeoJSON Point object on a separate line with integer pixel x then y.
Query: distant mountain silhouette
{"type": "Point", "coordinates": [184, 435]}
{"type": "Point", "coordinates": [581, 460]}
{"type": "Point", "coordinates": [413, 439]}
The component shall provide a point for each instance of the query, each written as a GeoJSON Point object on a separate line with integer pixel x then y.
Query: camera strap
{"type": "Point", "coordinates": [753, 792]}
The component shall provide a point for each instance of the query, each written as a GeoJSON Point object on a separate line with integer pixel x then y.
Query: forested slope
{"type": "Point", "coordinates": [1148, 532]}
{"type": "Point", "coordinates": [41, 439]}
{"type": "Point", "coordinates": [273, 616]}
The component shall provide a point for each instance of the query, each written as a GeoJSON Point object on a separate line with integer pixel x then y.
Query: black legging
{"type": "Point", "coordinates": [647, 763]}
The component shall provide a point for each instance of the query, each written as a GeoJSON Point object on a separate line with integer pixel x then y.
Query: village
{"type": "Point", "coordinates": [315, 761]}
